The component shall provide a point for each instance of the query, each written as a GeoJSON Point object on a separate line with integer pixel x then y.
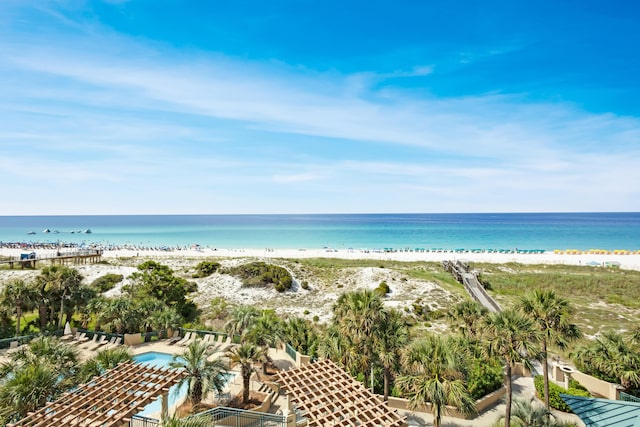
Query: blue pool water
{"type": "Point", "coordinates": [162, 360]}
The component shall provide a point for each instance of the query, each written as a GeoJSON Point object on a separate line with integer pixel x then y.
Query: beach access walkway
{"type": "Point", "coordinates": [472, 285]}
{"type": "Point", "coordinates": [78, 257]}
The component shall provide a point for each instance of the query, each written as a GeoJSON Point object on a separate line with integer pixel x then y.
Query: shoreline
{"type": "Point", "coordinates": [622, 259]}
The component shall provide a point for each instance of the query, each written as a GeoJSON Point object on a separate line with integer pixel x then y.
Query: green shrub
{"type": "Point", "coordinates": [316, 318]}
{"type": "Point", "coordinates": [206, 268]}
{"type": "Point", "coordinates": [107, 282]}
{"type": "Point", "coordinates": [260, 274]}
{"type": "Point", "coordinates": [304, 284]}
{"type": "Point", "coordinates": [484, 377]}
{"type": "Point", "coordinates": [383, 289]}
{"type": "Point", "coordinates": [555, 401]}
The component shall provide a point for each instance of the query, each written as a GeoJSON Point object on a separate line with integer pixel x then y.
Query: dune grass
{"type": "Point", "coordinates": [604, 298]}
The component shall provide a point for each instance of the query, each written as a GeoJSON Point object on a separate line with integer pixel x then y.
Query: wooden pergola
{"type": "Point", "coordinates": [329, 396]}
{"type": "Point", "coordinates": [109, 400]}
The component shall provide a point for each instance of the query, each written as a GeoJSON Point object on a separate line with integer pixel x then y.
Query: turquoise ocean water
{"type": "Point", "coordinates": [448, 231]}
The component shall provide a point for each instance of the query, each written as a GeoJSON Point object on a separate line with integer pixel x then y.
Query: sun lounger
{"type": "Point", "coordinates": [96, 339]}
{"type": "Point", "coordinates": [113, 343]}
{"type": "Point", "coordinates": [81, 337]}
{"type": "Point", "coordinates": [194, 336]}
{"type": "Point", "coordinates": [186, 338]}
{"type": "Point", "coordinates": [98, 343]}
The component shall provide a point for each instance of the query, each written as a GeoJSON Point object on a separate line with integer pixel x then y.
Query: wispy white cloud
{"type": "Point", "coordinates": [141, 115]}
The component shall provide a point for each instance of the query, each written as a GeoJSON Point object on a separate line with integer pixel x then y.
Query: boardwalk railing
{"type": "Point", "coordinates": [472, 285]}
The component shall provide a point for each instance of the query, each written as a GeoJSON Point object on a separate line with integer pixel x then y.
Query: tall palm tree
{"type": "Point", "coordinates": [391, 338]}
{"type": "Point", "coordinates": [433, 374]}
{"type": "Point", "coordinates": [202, 375]}
{"type": "Point", "coordinates": [19, 296]}
{"type": "Point", "coordinates": [552, 316]}
{"type": "Point", "coordinates": [358, 314]}
{"type": "Point", "coordinates": [512, 337]}
{"type": "Point", "coordinates": [246, 355]}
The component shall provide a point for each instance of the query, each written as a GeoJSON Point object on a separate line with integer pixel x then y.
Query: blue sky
{"type": "Point", "coordinates": [157, 106]}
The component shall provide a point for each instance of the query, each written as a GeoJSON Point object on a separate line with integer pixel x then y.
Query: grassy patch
{"type": "Point", "coordinates": [603, 297]}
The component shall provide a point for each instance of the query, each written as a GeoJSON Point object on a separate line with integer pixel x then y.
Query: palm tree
{"type": "Point", "coordinates": [192, 421]}
{"type": "Point", "coordinates": [166, 319]}
{"type": "Point", "coordinates": [105, 359]}
{"type": "Point", "coordinates": [357, 315]}
{"type": "Point", "coordinates": [30, 387]}
{"type": "Point", "coordinates": [202, 375]}
{"type": "Point", "coordinates": [510, 336]}
{"type": "Point", "coordinates": [241, 319]}
{"type": "Point", "coordinates": [433, 374]}
{"type": "Point", "coordinates": [528, 415]}
{"type": "Point", "coordinates": [551, 315]}
{"type": "Point", "coordinates": [302, 335]}
{"type": "Point", "coordinates": [20, 296]}
{"type": "Point", "coordinates": [467, 316]}
{"type": "Point", "coordinates": [391, 338]}
{"type": "Point", "coordinates": [611, 356]}
{"type": "Point", "coordinates": [246, 355]}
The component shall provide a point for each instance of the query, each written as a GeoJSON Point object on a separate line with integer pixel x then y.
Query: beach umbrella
{"type": "Point", "coordinates": [67, 329]}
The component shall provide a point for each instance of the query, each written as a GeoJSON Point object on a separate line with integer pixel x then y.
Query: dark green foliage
{"type": "Point", "coordinates": [206, 268]}
{"type": "Point", "coordinates": [484, 377]}
{"type": "Point", "coordinates": [304, 284]}
{"type": "Point", "coordinates": [260, 274]}
{"type": "Point", "coordinates": [107, 282]}
{"type": "Point", "coordinates": [383, 289]}
{"type": "Point", "coordinates": [555, 401]}
{"type": "Point", "coordinates": [158, 282]}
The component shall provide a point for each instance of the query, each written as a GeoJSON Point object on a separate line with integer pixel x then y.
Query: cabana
{"type": "Point", "coordinates": [109, 400]}
{"type": "Point", "coordinates": [327, 396]}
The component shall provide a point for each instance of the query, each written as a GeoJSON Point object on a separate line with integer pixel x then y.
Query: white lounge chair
{"type": "Point", "coordinates": [91, 342]}
{"type": "Point", "coordinates": [194, 336]}
{"type": "Point", "coordinates": [98, 343]}
{"type": "Point", "coordinates": [113, 343]}
{"type": "Point", "coordinates": [186, 338]}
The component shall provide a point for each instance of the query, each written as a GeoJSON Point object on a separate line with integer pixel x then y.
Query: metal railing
{"type": "Point", "coordinates": [238, 417]}
{"type": "Point", "coordinates": [291, 352]}
{"type": "Point", "coordinates": [140, 421]}
{"type": "Point", "coordinates": [628, 397]}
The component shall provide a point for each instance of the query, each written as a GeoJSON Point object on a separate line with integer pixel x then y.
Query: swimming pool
{"type": "Point", "coordinates": [176, 394]}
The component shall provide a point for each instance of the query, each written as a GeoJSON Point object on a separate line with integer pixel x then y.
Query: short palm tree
{"type": "Point", "coordinates": [433, 374]}
{"type": "Point", "coordinates": [242, 318]}
{"type": "Point", "coordinates": [246, 355]}
{"type": "Point", "coordinates": [552, 316]}
{"type": "Point", "coordinates": [202, 375]}
{"type": "Point", "coordinates": [192, 421]}
{"type": "Point", "coordinates": [18, 296]}
{"type": "Point", "coordinates": [467, 315]}
{"type": "Point", "coordinates": [512, 337]}
{"type": "Point", "coordinates": [30, 387]}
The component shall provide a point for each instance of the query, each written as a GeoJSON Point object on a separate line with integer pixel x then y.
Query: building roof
{"type": "Point", "coordinates": [327, 395]}
{"type": "Point", "coordinates": [108, 400]}
{"type": "Point", "coordinates": [596, 412]}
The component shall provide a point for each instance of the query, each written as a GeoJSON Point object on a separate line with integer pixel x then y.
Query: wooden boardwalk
{"type": "Point", "coordinates": [472, 285]}
{"type": "Point", "coordinates": [84, 256]}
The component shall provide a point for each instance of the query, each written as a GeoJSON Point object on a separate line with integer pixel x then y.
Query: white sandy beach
{"type": "Point", "coordinates": [625, 261]}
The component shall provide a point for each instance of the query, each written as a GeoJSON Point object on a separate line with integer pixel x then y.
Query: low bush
{"type": "Point", "coordinates": [484, 377]}
{"type": "Point", "coordinates": [383, 289]}
{"type": "Point", "coordinates": [107, 282]}
{"type": "Point", "coordinates": [260, 274]}
{"type": "Point", "coordinates": [206, 268]}
{"type": "Point", "coordinates": [555, 401]}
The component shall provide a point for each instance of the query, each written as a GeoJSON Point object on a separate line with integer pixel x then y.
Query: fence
{"type": "Point", "coordinates": [629, 398]}
{"type": "Point", "coordinates": [223, 416]}
{"type": "Point", "coordinates": [140, 421]}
